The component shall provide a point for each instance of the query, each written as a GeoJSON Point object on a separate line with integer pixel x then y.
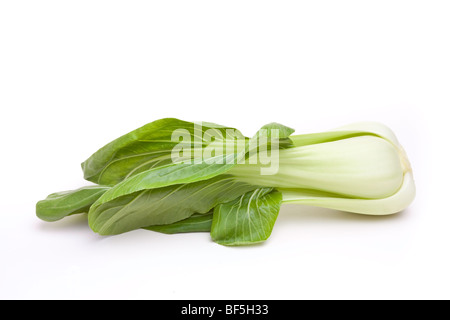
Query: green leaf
{"type": "Point", "coordinates": [195, 223]}
{"type": "Point", "coordinates": [266, 137]}
{"type": "Point", "coordinates": [145, 148]}
{"type": "Point", "coordinates": [283, 131]}
{"type": "Point", "coordinates": [164, 205]}
{"type": "Point", "coordinates": [247, 219]}
{"type": "Point", "coordinates": [61, 204]}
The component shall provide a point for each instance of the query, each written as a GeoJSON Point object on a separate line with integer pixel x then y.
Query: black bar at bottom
{"type": "Point", "coordinates": [226, 309]}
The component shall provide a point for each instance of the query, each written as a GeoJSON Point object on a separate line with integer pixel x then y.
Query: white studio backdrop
{"type": "Point", "coordinates": [76, 75]}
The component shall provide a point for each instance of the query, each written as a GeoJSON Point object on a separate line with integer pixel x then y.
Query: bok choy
{"type": "Point", "coordinates": [174, 176]}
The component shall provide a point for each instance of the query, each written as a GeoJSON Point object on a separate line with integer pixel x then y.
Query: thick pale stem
{"type": "Point", "coordinates": [361, 167]}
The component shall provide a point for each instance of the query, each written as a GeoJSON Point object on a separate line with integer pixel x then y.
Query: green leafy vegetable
{"type": "Point", "coordinates": [174, 176]}
{"type": "Point", "coordinates": [247, 219]}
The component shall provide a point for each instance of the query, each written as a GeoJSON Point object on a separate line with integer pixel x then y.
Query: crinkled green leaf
{"type": "Point", "coordinates": [142, 149]}
{"type": "Point", "coordinates": [61, 204]}
{"type": "Point", "coordinates": [165, 205]}
{"type": "Point", "coordinates": [247, 219]}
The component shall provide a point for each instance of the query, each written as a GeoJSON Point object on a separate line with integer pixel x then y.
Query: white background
{"type": "Point", "coordinates": [75, 75]}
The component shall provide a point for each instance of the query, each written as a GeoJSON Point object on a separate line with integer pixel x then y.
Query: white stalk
{"type": "Point", "coordinates": [359, 168]}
